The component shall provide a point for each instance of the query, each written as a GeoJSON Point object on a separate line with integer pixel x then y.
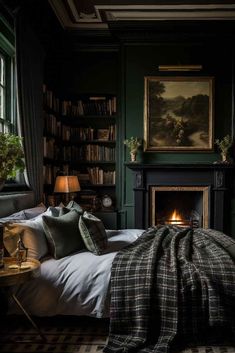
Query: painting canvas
{"type": "Point", "coordinates": [178, 113]}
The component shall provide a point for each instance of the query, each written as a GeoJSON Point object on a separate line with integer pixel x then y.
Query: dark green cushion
{"type": "Point", "coordinates": [63, 234]}
{"type": "Point", "coordinates": [75, 206]}
{"type": "Point", "coordinates": [93, 233]}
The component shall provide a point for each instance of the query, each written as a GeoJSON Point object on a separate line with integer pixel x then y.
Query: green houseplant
{"type": "Point", "coordinates": [133, 143]}
{"type": "Point", "coordinates": [224, 145]}
{"type": "Point", "coordinates": [11, 156]}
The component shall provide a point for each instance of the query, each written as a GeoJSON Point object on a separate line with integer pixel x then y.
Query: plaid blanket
{"type": "Point", "coordinates": [172, 285]}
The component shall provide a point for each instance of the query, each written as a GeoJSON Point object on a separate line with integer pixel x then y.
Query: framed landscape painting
{"type": "Point", "coordinates": [178, 113]}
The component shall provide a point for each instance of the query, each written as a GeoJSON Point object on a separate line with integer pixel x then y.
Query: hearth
{"type": "Point", "coordinates": [195, 195]}
{"type": "Point", "coordinates": [179, 205]}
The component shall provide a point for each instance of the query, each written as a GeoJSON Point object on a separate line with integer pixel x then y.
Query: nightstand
{"type": "Point", "coordinates": [15, 276]}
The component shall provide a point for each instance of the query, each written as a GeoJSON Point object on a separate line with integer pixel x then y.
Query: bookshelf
{"type": "Point", "coordinates": [80, 139]}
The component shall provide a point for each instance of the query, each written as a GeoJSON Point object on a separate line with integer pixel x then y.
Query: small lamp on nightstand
{"type": "Point", "coordinates": [67, 184]}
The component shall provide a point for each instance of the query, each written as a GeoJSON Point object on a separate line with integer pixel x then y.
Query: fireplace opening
{"type": "Point", "coordinates": [180, 205]}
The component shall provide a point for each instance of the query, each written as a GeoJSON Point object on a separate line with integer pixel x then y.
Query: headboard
{"type": "Point", "coordinates": [15, 201]}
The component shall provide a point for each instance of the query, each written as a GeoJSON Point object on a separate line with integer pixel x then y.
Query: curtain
{"type": "Point", "coordinates": [29, 67]}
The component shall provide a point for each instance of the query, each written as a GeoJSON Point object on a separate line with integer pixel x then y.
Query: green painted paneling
{"type": "Point", "coordinates": [143, 60]}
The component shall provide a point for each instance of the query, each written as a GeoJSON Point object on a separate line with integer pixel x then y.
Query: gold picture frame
{"type": "Point", "coordinates": [178, 113]}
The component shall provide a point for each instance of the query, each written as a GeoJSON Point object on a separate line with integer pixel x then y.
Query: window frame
{"type": "Point", "coordinates": [8, 52]}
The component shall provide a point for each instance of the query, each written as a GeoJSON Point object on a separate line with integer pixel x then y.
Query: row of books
{"type": "Point", "coordinates": [88, 133]}
{"type": "Point", "coordinates": [77, 134]}
{"type": "Point", "coordinates": [89, 105]}
{"type": "Point", "coordinates": [54, 127]}
{"type": "Point", "coordinates": [100, 176]}
{"type": "Point", "coordinates": [89, 153]}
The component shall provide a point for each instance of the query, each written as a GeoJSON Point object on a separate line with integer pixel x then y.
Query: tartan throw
{"type": "Point", "coordinates": [172, 285]}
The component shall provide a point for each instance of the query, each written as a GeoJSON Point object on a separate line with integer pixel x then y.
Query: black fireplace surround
{"type": "Point", "coordinates": [217, 177]}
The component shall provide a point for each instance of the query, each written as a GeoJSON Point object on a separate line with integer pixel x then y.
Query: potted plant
{"type": "Point", "coordinates": [11, 156]}
{"type": "Point", "coordinates": [224, 144]}
{"type": "Point", "coordinates": [133, 143]}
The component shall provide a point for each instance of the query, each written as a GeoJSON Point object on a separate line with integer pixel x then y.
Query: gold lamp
{"type": "Point", "coordinates": [67, 184]}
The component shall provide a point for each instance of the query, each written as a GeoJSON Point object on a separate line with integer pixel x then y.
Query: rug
{"type": "Point", "coordinates": [67, 335]}
{"type": "Point", "coordinates": [63, 334]}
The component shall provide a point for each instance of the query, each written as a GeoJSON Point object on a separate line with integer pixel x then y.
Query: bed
{"type": "Point", "coordinates": [75, 284]}
{"type": "Point", "coordinates": [160, 287]}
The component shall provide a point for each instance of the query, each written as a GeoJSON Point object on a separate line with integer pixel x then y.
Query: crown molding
{"type": "Point", "coordinates": [72, 17]}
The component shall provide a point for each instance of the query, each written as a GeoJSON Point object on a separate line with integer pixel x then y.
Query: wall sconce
{"type": "Point", "coordinates": [179, 67]}
{"type": "Point", "coordinates": [67, 184]}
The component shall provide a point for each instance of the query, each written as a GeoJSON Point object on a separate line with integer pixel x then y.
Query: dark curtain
{"type": "Point", "coordinates": [29, 64]}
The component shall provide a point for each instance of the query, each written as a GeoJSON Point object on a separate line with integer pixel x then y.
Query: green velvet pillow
{"type": "Point", "coordinates": [72, 205]}
{"type": "Point", "coordinates": [93, 233]}
{"type": "Point", "coordinates": [63, 234]}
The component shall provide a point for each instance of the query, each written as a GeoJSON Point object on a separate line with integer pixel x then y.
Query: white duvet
{"type": "Point", "coordinates": [74, 285]}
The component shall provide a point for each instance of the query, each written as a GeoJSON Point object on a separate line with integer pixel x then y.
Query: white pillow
{"type": "Point", "coordinates": [34, 211]}
{"type": "Point", "coordinates": [28, 213]}
{"type": "Point", "coordinates": [32, 235]}
{"type": "Point", "coordinates": [14, 217]}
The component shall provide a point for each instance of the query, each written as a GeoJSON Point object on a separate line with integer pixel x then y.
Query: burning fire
{"type": "Point", "coordinates": [175, 218]}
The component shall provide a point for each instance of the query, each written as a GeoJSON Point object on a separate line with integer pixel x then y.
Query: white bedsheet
{"type": "Point", "coordinates": [74, 285]}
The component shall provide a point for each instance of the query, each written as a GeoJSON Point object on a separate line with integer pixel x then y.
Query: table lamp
{"type": "Point", "coordinates": [67, 184]}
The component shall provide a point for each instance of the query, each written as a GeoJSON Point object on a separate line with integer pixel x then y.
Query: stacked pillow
{"type": "Point", "coordinates": [60, 231]}
{"type": "Point", "coordinates": [31, 232]}
{"type": "Point", "coordinates": [28, 213]}
{"type": "Point", "coordinates": [63, 234]}
{"type": "Point", "coordinates": [93, 233]}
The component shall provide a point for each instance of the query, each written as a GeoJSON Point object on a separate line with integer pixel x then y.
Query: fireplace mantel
{"type": "Point", "coordinates": [217, 176]}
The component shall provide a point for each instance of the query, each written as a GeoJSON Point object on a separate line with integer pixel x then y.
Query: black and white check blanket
{"type": "Point", "coordinates": [172, 285]}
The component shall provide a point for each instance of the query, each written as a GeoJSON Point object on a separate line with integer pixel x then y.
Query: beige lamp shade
{"type": "Point", "coordinates": [67, 184]}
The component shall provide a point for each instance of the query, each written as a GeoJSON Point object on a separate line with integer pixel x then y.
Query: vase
{"type": "Point", "coordinates": [133, 155]}
{"type": "Point", "coordinates": [224, 157]}
{"type": "Point", "coordinates": [2, 183]}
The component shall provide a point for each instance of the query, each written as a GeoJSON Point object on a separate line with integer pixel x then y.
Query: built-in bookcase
{"type": "Point", "coordinates": [80, 139]}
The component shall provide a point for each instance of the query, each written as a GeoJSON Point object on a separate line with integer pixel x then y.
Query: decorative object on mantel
{"type": "Point", "coordinates": [224, 145]}
{"type": "Point", "coordinates": [133, 143]}
{"type": "Point", "coordinates": [11, 157]}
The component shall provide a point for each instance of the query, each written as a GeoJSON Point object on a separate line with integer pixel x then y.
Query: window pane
{"type": "Point", "coordinates": [2, 70]}
{"type": "Point", "coordinates": [1, 103]}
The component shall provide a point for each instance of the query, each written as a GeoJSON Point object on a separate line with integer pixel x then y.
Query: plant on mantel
{"type": "Point", "coordinates": [224, 145]}
{"type": "Point", "coordinates": [133, 143]}
{"type": "Point", "coordinates": [11, 156]}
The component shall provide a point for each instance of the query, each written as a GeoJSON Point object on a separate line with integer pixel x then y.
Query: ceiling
{"type": "Point", "coordinates": [99, 14]}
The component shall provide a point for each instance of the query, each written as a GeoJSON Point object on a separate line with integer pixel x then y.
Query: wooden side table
{"type": "Point", "coordinates": [16, 276]}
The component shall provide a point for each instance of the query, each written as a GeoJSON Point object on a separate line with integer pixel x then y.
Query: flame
{"type": "Point", "coordinates": [175, 217]}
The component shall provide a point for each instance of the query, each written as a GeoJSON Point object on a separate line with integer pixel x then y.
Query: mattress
{"type": "Point", "coordinates": [77, 284]}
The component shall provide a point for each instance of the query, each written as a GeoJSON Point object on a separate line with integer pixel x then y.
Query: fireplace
{"type": "Point", "coordinates": [200, 194]}
{"type": "Point", "coordinates": [179, 205]}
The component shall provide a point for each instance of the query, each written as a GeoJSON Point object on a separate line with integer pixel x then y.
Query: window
{"type": "Point", "coordinates": [8, 120]}
{"type": "Point", "coordinates": [7, 80]}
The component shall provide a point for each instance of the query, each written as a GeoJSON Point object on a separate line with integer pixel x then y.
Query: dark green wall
{"type": "Point", "coordinates": [122, 71]}
{"type": "Point", "coordinates": [143, 60]}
